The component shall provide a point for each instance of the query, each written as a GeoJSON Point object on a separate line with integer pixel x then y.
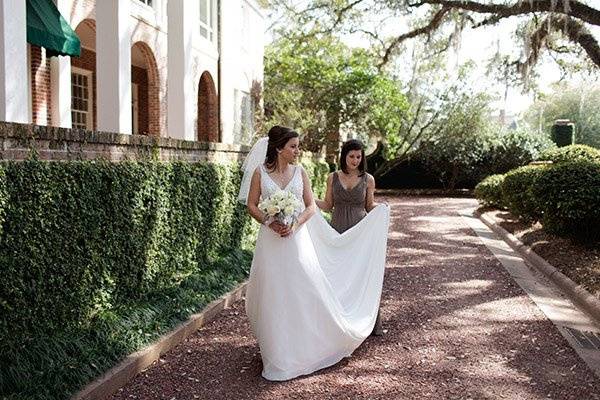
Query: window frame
{"type": "Point", "coordinates": [211, 25]}
{"type": "Point", "coordinates": [90, 109]}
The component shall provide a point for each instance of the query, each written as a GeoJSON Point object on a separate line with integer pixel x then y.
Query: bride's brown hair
{"type": "Point", "coordinates": [278, 137]}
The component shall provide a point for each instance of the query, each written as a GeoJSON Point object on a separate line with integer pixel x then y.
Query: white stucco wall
{"type": "Point", "coordinates": [180, 60]}
{"type": "Point", "coordinates": [242, 51]}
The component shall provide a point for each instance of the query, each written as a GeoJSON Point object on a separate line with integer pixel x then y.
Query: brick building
{"type": "Point", "coordinates": [180, 69]}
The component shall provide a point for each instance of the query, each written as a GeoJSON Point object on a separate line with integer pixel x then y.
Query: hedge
{"type": "Point", "coordinates": [517, 192]}
{"type": "Point", "coordinates": [98, 259]}
{"type": "Point", "coordinates": [80, 236]}
{"type": "Point", "coordinates": [568, 194]}
{"type": "Point", "coordinates": [489, 191]}
{"type": "Point", "coordinates": [576, 152]}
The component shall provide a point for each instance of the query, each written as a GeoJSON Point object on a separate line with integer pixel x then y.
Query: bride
{"type": "Point", "coordinates": [313, 294]}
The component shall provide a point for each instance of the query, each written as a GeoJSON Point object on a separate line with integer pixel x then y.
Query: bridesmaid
{"type": "Point", "coordinates": [350, 194]}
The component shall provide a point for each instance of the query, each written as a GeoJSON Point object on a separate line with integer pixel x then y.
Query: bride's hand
{"type": "Point", "coordinates": [287, 230]}
{"type": "Point", "coordinates": [277, 227]}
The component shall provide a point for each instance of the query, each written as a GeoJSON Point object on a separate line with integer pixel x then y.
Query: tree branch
{"type": "Point", "coordinates": [574, 30]}
{"type": "Point", "coordinates": [435, 22]}
{"type": "Point", "coordinates": [573, 8]}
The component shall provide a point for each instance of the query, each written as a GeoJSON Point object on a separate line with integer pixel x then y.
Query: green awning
{"type": "Point", "coordinates": [47, 28]}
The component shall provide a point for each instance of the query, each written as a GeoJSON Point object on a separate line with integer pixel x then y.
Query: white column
{"type": "Point", "coordinates": [60, 79]}
{"type": "Point", "coordinates": [230, 23]}
{"type": "Point", "coordinates": [14, 68]}
{"type": "Point", "coordinates": [183, 16]}
{"type": "Point", "coordinates": [113, 65]}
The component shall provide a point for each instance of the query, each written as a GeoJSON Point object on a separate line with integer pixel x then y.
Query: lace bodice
{"type": "Point", "coordinates": [268, 185]}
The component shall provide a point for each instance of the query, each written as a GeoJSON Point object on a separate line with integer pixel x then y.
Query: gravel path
{"type": "Point", "coordinates": [458, 328]}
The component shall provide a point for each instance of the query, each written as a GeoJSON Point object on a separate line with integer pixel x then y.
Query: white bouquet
{"type": "Point", "coordinates": [282, 206]}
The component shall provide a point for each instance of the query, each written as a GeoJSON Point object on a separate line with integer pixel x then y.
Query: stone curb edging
{"type": "Point", "coordinates": [579, 295]}
{"type": "Point", "coordinates": [118, 376]}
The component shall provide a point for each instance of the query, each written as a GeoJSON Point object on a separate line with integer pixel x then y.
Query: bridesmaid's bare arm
{"type": "Point", "coordinates": [370, 199]}
{"type": "Point", "coordinates": [327, 203]}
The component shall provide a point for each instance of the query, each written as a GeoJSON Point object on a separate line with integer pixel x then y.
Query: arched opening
{"type": "Point", "coordinates": [208, 110]}
{"type": "Point", "coordinates": [83, 78]}
{"type": "Point", "coordinates": [145, 107]}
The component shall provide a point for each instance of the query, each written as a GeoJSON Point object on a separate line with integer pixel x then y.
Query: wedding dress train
{"type": "Point", "coordinates": [312, 298]}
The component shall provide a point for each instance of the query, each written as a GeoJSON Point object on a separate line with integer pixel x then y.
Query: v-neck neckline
{"type": "Point", "coordinates": [276, 184]}
{"type": "Point", "coordinates": [342, 185]}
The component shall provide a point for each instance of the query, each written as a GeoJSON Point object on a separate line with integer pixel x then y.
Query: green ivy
{"type": "Point", "coordinates": [99, 259]}
{"type": "Point", "coordinates": [81, 236]}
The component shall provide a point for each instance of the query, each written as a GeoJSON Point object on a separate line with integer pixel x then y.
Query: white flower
{"type": "Point", "coordinates": [288, 210]}
{"type": "Point", "coordinates": [272, 210]}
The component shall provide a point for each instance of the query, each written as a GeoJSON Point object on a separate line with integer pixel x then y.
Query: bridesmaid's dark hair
{"type": "Point", "coordinates": [278, 137]}
{"type": "Point", "coordinates": [348, 146]}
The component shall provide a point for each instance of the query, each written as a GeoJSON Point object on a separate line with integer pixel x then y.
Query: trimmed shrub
{"type": "Point", "coordinates": [576, 152]}
{"type": "Point", "coordinates": [81, 236]}
{"type": "Point", "coordinates": [98, 259]}
{"type": "Point", "coordinates": [569, 196]}
{"type": "Point", "coordinates": [517, 192]}
{"type": "Point", "coordinates": [489, 191]}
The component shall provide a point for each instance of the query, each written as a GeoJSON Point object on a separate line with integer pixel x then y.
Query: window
{"type": "Point", "coordinates": [208, 17]}
{"type": "Point", "coordinates": [81, 99]}
{"type": "Point", "coordinates": [146, 2]}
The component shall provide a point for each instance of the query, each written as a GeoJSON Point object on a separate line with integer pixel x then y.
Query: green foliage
{"type": "Point", "coordinates": [80, 236]}
{"type": "Point", "coordinates": [517, 192]}
{"type": "Point", "coordinates": [461, 143]}
{"type": "Point", "coordinates": [514, 148]}
{"type": "Point", "coordinates": [571, 153]}
{"type": "Point", "coordinates": [318, 84]}
{"type": "Point", "coordinates": [54, 365]}
{"type": "Point", "coordinates": [578, 104]}
{"type": "Point", "coordinates": [489, 191]}
{"type": "Point", "coordinates": [568, 194]}
{"type": "Point", "coordinates": [100, 259]}
{"type": "Point", "coordinates": [317, 171]}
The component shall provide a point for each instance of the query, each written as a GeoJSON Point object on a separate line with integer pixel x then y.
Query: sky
{"type": "Point", "coordinates": [479, 45]}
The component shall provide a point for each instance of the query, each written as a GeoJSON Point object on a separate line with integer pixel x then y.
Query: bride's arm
{"type": "Point", "coordinates": [254, 198]}
{"type": "Point", "coordinates": [327, 203]}
{"type": "Point", "coordinates": [309, 202]}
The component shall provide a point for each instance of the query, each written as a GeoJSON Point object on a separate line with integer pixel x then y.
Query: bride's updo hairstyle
{"type": "Point", "coordinates": [278, 137]}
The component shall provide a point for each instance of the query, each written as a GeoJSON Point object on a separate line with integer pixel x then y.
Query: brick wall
{"type": "Point", "coordinates": [40, 86]}
{"type": "Point", "coordinates": [61, 144]}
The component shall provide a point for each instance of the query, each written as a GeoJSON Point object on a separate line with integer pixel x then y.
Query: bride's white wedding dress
{"type": "Point", "coordinates": [312, 298]}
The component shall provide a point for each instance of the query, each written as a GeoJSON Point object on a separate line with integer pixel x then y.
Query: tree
{"type": "Point", "coordinates": [319, 86]}
{"type": "Point", "coordinates": [547, 25]}
{"type": "Point", "coordinates": [578, 103]}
